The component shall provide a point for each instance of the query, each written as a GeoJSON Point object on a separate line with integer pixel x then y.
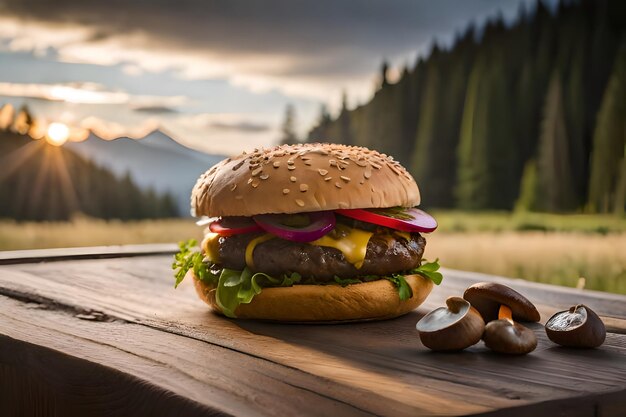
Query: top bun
{"type": "Point", "coordinates": [301, 178]}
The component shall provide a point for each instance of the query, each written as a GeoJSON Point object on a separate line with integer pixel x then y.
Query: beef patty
{"type": "Point", "coordinates": [386, 254]}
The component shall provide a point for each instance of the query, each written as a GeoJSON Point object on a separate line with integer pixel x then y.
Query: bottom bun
{"type": "Point", "coordinates": [375, 300]}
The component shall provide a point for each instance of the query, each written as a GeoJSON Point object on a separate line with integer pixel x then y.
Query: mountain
{"type": "Point", "coordinates": [40, 181]}
{"type": "Point", "coordinates": [156, 161]}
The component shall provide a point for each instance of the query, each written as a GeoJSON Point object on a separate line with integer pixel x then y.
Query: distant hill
{"type": "Point", "coordinates": [156, 161]}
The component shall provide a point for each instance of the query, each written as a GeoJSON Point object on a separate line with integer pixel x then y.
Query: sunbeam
{"type": "Point", "coordinates": [66, 184]}
{"type": "Point", "coordinates": [35, 198]}
{"type": "Point", "coordinates": [15, 159]}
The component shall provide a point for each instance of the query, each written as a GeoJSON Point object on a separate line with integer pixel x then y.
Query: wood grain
{"type": "Point", "coordinates": [95, 252]}
{"type": "Point", "coordinates": [378, 368]}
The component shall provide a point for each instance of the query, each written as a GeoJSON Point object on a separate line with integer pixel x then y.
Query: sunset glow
{"type": "Point", "coordinates": [58, 134]}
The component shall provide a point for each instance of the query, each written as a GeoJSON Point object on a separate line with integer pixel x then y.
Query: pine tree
{"type": "Point", "coordinates": [608, 158]}
{"type": "Point", "coordinates": [23, 121]}
{"type": "Point", "coordinates": [320, 132]}
{"type": "Point", "coordinates": [7, 113]}
{"type": "Point", "coordinates": [554, 170]}
{"type": "Point", "coordinates": [487, 149]}
{"type": "Point", "coordinates": [384, 75]}
{"type": "Point", "coordinates": [527, 200]}
{"type": "Point", "coordinates": [472, 169]}
{"type": "Point", "coordinates": [288, 129]}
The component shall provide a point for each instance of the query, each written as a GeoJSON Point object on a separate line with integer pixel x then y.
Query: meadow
{"type": "Point", "coordinates": [556, 249]}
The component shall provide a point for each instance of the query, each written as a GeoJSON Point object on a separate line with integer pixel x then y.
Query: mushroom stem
{"type": "Point", "coordinates": [505, 313]}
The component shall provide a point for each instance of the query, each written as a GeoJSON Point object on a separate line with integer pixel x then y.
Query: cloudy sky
{"type": "Point", "coordinates": [217, 75]}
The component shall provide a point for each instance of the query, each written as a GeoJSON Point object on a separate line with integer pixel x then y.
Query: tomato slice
{"type": "Point", "coordinates": [229, 226]}
{"type": "Point", "coordinates": [400, 218]}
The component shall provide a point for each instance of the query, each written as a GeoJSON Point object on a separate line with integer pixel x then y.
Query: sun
{"type": "Point", "coordinates": [58, 134]}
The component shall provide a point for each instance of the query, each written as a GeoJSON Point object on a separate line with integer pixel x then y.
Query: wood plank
{"type": "Point", "coordinates": [94, 252]}
{"type": "Point", "coordinates": [380, 360]}
{"type": "Point", "coordinates": [120, 368]}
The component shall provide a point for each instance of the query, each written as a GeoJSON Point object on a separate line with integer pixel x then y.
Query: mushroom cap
{"type": "Point", "coordinates": [486, 297]}
{"type": "Point", "coordinates": [578, 327]}
{"type": "Point", "coordinates": [504, 336]}
{"type": "Point", "coordinates": [451, 328]}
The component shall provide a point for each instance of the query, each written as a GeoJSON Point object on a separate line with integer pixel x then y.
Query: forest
{"type": "Point", "coordinates": [529, 115]}
{"type": "Point", "coordinates": [41, 181]}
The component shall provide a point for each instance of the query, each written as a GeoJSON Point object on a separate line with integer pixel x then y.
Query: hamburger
{"type": "Point", "coordinates": [309, 233]}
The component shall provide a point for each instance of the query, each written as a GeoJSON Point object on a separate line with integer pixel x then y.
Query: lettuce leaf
{"type": "Point", "coordinates": [404, 289]}
{"type": "Point", "coordinates": [233, 287]}
{"type": "Point", "coordinates": [189, 257]}
{"type": "Point", "coordinates": [240, 287]}
{"type": "Point", "coordinates": [347, 281]}
{"type": "Point", "coordinates": [429, 270]}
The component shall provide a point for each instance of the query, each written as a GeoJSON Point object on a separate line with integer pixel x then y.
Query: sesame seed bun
{"type": "Point", "coordinates": [303, 178]}
{"type": "Point", "coordinates": [375, 300]}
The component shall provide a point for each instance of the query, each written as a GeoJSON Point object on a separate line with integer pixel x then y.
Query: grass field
{"type": "Point", "coordinates": [557, 249]}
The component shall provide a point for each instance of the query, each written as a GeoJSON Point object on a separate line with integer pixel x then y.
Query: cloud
{"type": "Point", "coordinates": [314, 48]}
{"type": "Point", "coordinates": [86, 93]}
{"type": "Point", "coordinates": [155, 109]}
{"type": "Point", "coordinates": [242, 126]}
{"type": "Point", "coordinates": [89, 93]}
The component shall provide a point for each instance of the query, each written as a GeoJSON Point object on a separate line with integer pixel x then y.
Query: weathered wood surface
{"type": "Point", "coordinates": [112, 337]}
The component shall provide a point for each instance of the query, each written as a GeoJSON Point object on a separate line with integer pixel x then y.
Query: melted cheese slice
{"type": "Point", "coordinates": [405, 235]}
{"type": "Point", "coordinates": [252, 244]}
{"type": "Point", "coordinates": [353, 245]}
{"type": "Point", "coordinates": [210, 246]}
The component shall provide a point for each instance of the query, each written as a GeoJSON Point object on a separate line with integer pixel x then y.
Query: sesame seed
{"type": "Point", "coordinates": [328, 178]}
{"type": "Point", "coordinates": [257, 171]}
{"type": "Point", "coordinates": [293, 179]}
{"type": "Point", "coordinates": [346, 179]}
{"type": "Point", "coordinates": [285, 190]}
{"type": "Point", "coordinates": [303, 187]}
{"type": "Point", "coordinates": [299, 202]}
{"type": "Point", "coordinates": [338, 184]}
{"type": "Point", "coordinates": [249, 180]}
{"type": "Point", "coordinates": [291, 167]}
{"type": "Point", "coordinates": [368, 173]}
{"type": "Point", "coordinates": [232, 187]}
{"type": "Point", "coordinates": [264, 176]}
{"type": "Point", "coordinates": [276, 164]}
{"type": "Point", "coordinates": [255, 183]}
{"type": "Point", "coordinates": [322, 171]}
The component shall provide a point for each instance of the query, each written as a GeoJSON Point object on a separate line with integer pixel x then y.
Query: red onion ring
{"type": "Point", "coordinates": [320, 223]}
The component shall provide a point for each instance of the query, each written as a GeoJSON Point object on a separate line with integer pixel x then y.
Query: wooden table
{"type": "Point", "coordinates": [101, 331]}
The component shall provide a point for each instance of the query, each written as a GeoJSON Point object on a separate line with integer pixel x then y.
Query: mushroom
{"type": "Point", "coordinates": [506, 336]}
{"type": "Point", "coordinates": [487, 297]}
{"type": "Point", "coordinates": [455, 327]}
{"type": "Point", "coordinates": [577, 327]}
